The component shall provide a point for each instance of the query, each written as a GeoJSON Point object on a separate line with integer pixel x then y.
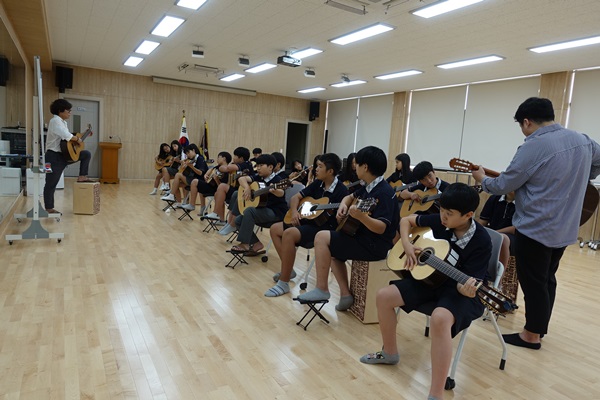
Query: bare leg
{"type": "Point", "coordinates": [220, 196]}
{"type": "Point", "coordinates": [505, 250]}
{"type": "Point", "coordinates": [322, 259]}
{"type": "Point", "coordinates": [441, 349]}
{"type": "Point", "coordinates": [340, 272]}
{"type": "Point", "coordinates": [157, 180]}
{"type": "Point", "coordinates": [387, 299]}
{"type": "Point", "coordinates": [290, 238]}
{"type": "Point", "coordinates": [276, 232]}
{"type": "Point", "coordinates": [165, 176]}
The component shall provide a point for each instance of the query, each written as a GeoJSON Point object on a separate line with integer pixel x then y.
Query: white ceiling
{"type": "Point", "coordinates": [104, 33]}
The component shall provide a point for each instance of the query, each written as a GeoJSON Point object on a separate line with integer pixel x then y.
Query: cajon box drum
{"type": "Point", "coordinates": [86, 198]}
{"type": "Point", "coordinates": [366, 278]}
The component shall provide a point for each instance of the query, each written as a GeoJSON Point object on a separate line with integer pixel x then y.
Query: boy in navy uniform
{"type": "Point", "coordinates": [303, 232]}
{"type": "Point", "coordinates": [373, 239]}
{"type": "Point", "coordinates": [456, 304]}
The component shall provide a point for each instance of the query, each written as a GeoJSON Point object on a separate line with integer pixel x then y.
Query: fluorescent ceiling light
{"type": "Point", "coordinates": [310, 90]}
{"type": "Point", "coordinates": [133, 61]}
{"type": "Point", "coordinates": [147, 47]}
{"type": "Point", "coordinates": [399, 74]}
{"type": "Point", "coordinates": [442, 7]}
{"type": "Point", "coordinates": [472, 61]}
{"type": "Point", "coordinates": [300, 54]}
{"type": "Point", "coordinates": [362, 34]}
{"type": "Point", "coordinates": [232, 77]}
{"type": "Point", "coordinates": [349, 83]}
{"type": "Point", "coordinates": [566, 45]}
{"type": "Point", "coordinates": [193, 4]}
{"type": "Point", "coordinates": [167, 25]}
{"type": "Point", "coordinates": [260, 68]}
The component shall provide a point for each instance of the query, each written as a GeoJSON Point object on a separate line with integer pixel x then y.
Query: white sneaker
{"type": "Point", "coordinates": [190, 207]}
{"type": "Point", "coordinates": [176, 205]}
{"type": "Point", "coordinates": [169, 197]}
{"type": "Point", "coordinates": [153, 192]}
{"type": "Point", "coordinates": [226, 230]}
{"type": "Point", "coordinates": [213, 215]}
{"type": "Point", "coordinates": [163, 186]}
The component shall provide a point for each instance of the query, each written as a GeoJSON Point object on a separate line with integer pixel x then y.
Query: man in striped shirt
{"type": "Point", "coordinates": [549, 174]}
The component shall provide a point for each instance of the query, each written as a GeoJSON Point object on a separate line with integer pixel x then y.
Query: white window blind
{"type": "Point", "coordinates": [375, 122]}
{"type": "Point", "coordinates": [341, 126]}
{"type": "Point", "coordinates": [585, 103]}
{"type": "Point", "coordinates": [491, 135]}
{"type": "Point", "coordinates": [435, 125]}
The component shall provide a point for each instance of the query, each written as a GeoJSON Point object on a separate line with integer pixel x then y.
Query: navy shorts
{"type": "Point", "coordinates": [344, 247]}
{"type": "Point", "coordinates": [464, 309]}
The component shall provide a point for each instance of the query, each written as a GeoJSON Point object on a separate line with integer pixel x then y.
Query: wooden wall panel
{"type": "Point", "coordinates": [556, 87]}
{"type": "Point", "coordinates": [398, 129]}
{"type": "Point", "coordinates": [144, 114]}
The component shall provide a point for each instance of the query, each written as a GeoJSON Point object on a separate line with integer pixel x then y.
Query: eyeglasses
{"type": "Point", "coordinates": [69, 111]}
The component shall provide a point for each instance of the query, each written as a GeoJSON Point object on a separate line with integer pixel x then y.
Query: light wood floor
{"type": "Point", "coordinates": [134, 304]}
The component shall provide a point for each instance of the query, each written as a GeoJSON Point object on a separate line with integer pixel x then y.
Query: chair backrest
{"type": "Point", "coordinates": [291, 191]}
{"type": "Point", "coordinates": [495, 267]}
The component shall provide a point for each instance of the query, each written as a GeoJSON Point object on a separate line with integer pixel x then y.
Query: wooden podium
{"type": "Point", "coordinates": [110, 162]}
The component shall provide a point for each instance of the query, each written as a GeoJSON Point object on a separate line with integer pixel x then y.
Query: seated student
{"type": "Point", "coordinates": [402, 172]}
{"type": "Point", "coordinates": [226, 189]}
{"type": "Point", "coordinates": [497, 213]}
{"type": "Point", "coordinates": [457, 305]}
{"type": "Point", "coordinates": [311, 172]}
{"type": "Point", "coordinates": [373, 238]}
{"type": "Point", "coordinates": [162, 160]}
{"type": "Point", "coordinates": [424, 173]}
{"type": "Point", "coordinates": [280, 167]}
{"type": "Point", "coordinates": [171, 170]}
{"type": "Point", "coordinates": [256, 152]}
{"type": "Point", "coordinates": [297, 169]}
{"type": "Point", "coordinates": [303, 231]}
{"type": "Point", "coordinates": [348, 175]}
{"type": "Point", "coordinates": [208, 185]}
{"type": "Point", "coordinates": [273, 211]}
{"type": "Point", "coordinates": [195, 167]}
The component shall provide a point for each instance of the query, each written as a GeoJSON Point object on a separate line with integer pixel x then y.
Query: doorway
{"type": "Point", "coordinates": [85, 112]}
{"type": "Point", "coordinates": [296, 143]}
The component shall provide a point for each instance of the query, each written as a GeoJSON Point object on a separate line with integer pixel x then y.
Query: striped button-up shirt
{"type": "Point", "coordinates": [549, 174]}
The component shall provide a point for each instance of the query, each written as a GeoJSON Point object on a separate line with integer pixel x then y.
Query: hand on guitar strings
{"type": "Point", "coordinates": [415, 197]}
{"type": "Point", "coordinates": [412, 253]}
{"type": "Point", "coordinates": [469, 289]}
{"type": "Point", "coordinates": [342, 212]}
{"type": "Point", "coordinates": [355, 213]}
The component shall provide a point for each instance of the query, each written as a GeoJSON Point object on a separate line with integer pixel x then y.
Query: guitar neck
{"type": "Point", "coordinates": [404, 187]}
{"type": "Point", "coordinates": [434, 197]}
{"type": "Point", "coordinates": [446, 269]}
{"type": "Point", "coordinates": [327, 206]}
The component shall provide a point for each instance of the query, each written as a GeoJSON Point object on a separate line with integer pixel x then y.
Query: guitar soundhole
{"type": "Point", "coordinates": [425, 254]}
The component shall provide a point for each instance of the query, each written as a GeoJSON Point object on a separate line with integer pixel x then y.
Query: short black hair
{"type": "Point", "coordinates": [60, 105]}
{"type": "Point", "coordinates": [536, 109]}
{"type": "Point", "coordinates": [256, 150]}
{"type": "Point", "coordinates": [226, 156]}
{"type": "Point", "coordinates": [280, 159]}
{"type": "Point", "coordinates": [375, 159]}
{"type": "Point", "coordinates": [331, 161]}
{"type": "Point", "coordinates": [266, 159]}
{"type": "Point", "coordinates": [422, 169]}
{"type": "Point", "coordinates": [191, 146]}
{"type": "Point", "coordinates": [242, 152]}
{"type": "Point", "coordinates": [460, 197]}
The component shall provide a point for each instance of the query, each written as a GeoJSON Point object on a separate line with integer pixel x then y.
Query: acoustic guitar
{"type": "Point", "coordinates": [427, 197]}
{"type": "Point", "coordinates": [590, 199]}
{"type": "Point", "coordinates": [184, 164]}
{"type": "Point", "coordinates": [213, 177]}
{"type": "Point", "coordinates": [71, 149]}
{"type": "Point", "coordinates": [432, 268]}
{"type": "Point", "coordinates": [259, 196]}
{"type": "Point", "coordinates": [312, 209]}
{"type": "Point", "coordinates": [349, 225]}
{"type": "Point", "coordinates": [160, 163]}
{"type": "Point", "coordinates": [299, 175]}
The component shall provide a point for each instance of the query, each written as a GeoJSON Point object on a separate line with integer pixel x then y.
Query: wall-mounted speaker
{"type": "Point", "coordinates": [4, 69]}
{"type": "Point", "coordinates": [313, 112]}
{"type": "Point", "coordinates": [64, 78]}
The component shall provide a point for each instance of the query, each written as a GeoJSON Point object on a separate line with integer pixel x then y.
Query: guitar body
{"type": "Point", "coordinates": [590, 203]}
{"type": "Point", "coordinates": [395, 186]}
{"type": "Point", "coordinates": [350, 225]}
{"type": "Point", "coordinates": [259, 195]}
{"type": "Point", "coordinates": [423, 238]}
{"type": "Point", "coordinates": [71, 149]}
{"type": "Point", "coordinates": [259, 201]}
{"type": "Point", "coordinates": [213, 177]}
{"type": "Point", "coordinates": [165, 163]}
{"type": "Point", "coordinates": [319, 217]}
{"type": "Point", "coordinates": [410, 206]}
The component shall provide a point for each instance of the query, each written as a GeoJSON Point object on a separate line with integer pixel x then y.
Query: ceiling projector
{"type": "Point", "coordinates": [289, 61]}
{"type": "Point", "coordinates": [198, 53]}
{"type": "Point", "coordinates": [309, 73]}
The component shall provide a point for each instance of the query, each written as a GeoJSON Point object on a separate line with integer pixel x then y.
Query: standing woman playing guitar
{"type": "Point", "coordinates": [57, 131]}
{"type": "Point", "coordinates": [162, 160]}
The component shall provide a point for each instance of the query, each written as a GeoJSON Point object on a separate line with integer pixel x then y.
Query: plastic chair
{"type": "Point", "coordinates": [495, 272]}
